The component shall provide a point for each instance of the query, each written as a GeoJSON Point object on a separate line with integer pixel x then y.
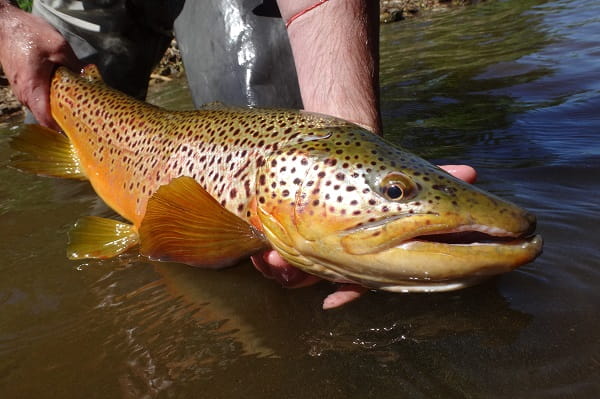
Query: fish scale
{"type": "Point", "coordinates": [212, 186]}
{"type": "Point", "coordinates": [142, 147]}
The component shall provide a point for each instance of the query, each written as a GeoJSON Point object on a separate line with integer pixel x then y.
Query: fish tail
{"type": "Point", "coordinates": [100, 238]}
{"type": "Point", "coordinates": [45, 152]}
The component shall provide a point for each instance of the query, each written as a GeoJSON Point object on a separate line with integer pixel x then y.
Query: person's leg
{"type": "Point", "coordinates": [231, 54]}
{"type": "Point", "coordinates": [235, 56]}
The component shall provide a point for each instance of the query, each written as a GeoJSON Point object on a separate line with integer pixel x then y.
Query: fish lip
{"type": "Point", "coordinates": [506, 240]}
{"type": "Point", "coordinates": [486, 234]}
{"type": "Point", "coordinates": [493, 233]}
{"type": "Point", "coordinates": [379, 223]}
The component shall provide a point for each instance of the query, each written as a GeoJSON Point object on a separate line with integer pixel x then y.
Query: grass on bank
{"type": "Point", "coordinates": [25, 4]}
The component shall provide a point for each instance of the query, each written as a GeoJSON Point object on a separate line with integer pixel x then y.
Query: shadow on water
{"type": "Point", "coordinates": [510, 87]}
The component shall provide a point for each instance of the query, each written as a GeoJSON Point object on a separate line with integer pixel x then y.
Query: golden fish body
{"type": "Point", "coordinates": [208, 187]}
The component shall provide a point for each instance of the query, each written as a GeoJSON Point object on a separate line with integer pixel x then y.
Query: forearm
{"type": "Point", "coordinates": [336, 52]}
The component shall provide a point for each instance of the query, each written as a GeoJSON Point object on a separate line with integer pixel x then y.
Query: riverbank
{"type": "Point", "coordinates": [171, 65]}
{"type": "Point", "coordinates": [397, 10]}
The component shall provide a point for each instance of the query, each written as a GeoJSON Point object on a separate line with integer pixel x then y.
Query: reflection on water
{"type": "Point", "coordinates": [511, 87]}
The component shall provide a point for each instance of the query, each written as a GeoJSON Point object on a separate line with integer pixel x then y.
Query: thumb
{"type": "Point", "coordinates": [39, 104]}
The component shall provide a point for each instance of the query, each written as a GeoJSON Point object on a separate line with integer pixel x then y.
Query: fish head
{"type": "Point", "coordinates": [348, 206]}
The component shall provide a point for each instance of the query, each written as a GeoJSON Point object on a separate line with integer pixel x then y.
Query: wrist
{"type": "Point", "coordinates": [289, 8]}
{"type": "Point", "coordinates": [301, 13]}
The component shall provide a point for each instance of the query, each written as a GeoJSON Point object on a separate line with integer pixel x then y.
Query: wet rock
{"type": "Point", "coordinates": [9, 105]}
{"type": "Point", "coordinates": [171, 65]}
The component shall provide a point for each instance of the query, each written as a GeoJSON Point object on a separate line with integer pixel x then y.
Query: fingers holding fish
{"type": "Point", "coordinates": [462, 172]}
{"type": "Point", "coordinates": [274, 267]}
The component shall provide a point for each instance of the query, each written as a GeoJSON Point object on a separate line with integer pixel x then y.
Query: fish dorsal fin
{"type": "Point", "coordinates": [91, 73]}
{"type": "Point", "coordinates": [183, 223]}
{"type": "Point", "coordinates": [45, 152]}
{"type": "Point", "coordinates": [96, 237]}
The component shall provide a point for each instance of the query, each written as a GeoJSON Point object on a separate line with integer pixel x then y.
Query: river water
{"type": "Point", "coordinates": [510, 87]}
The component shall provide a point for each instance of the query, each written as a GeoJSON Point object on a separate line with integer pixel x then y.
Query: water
{"type": "Point", "coordinates": [510, 87]}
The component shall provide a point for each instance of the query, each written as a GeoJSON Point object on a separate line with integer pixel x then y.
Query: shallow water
{"type": "Point", "coordinates": [510, 87]}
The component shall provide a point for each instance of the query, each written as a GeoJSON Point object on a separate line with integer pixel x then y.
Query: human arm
{"type": "Point", "coordinates": [30, 50]}
{"type": "Point", "coordinates": [336, 52]}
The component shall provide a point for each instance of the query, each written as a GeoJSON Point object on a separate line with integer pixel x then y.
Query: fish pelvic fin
{"type": "Point", "coordinates": [100, 238]}
{"type": "Point", "coordinates": [183, 223]}
{"type": "Point", "coordinates": [45, 152]}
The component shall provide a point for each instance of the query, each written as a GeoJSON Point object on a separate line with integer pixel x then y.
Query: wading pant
{"type": "Point", "coordinates": [234, 51]}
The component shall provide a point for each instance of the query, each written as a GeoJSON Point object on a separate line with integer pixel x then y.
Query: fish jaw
{"type": "Point", "coordinates": [334, 222]}
{"type": "Point", "coordinates": [413, 264]}
{"type": "Point", "coordinates": [423, 266]}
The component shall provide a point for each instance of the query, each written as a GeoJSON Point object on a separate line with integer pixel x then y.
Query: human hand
{"type": "Point", "coordinates": [273, 266]}
{"type": "Point", "coordinates": [30, 50]}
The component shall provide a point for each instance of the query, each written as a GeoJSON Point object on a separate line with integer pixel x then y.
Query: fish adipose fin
{"type": "Point", "coordinates": [183, 223]}
{"type": "Point", "coordinates": [45, 152]}
{"type": "Point", "coordinates": [96, 237]}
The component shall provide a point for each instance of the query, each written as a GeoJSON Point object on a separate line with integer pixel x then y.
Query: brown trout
{"type": "Point", "coordinates": [212, 186]}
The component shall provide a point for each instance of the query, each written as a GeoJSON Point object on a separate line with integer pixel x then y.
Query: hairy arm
{"type": "Point", "coordinates": [30, 49]}
{"type": "Point", "coordinates": [336, 52]}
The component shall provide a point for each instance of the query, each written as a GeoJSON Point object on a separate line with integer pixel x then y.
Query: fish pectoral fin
{"type": "Point", "coordinates": [183, 223]}
{"type": "Point", "coordinates": [45, 152]}
{"type": "Point", "coordinates": [96, 237]}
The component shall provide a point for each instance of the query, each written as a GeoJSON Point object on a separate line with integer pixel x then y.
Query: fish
{"type": "Point", "coordinates": [212, 186]}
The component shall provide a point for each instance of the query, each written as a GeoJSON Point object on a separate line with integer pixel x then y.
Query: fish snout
{"type": "Point", "coordinates": [520, 222]}
{"type": "Point", "coordinates": [529, 223]}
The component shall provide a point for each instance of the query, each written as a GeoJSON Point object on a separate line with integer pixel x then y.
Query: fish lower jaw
{"type": "Point", "coordinates": [471, 235]}
{"type": "Point", "coordinates": [424, 286]}
{"type": "Point", "coordinates": [424, 266]}
{"type": "Point", "coordinates": [470, 239]}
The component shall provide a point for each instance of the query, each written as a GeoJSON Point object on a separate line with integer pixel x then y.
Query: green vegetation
{"type": "Point", "coordinates": [25, 4]}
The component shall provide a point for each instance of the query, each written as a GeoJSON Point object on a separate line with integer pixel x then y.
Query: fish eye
{"type": "Point", "coordinates": [393, 191]}
{"type": "Point", "coordinates": [397, 187]}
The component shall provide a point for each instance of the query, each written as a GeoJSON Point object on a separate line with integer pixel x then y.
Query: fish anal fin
{"type": "Point", "coordinates": [185, 224]}
{"type": "Point", "coordinates": [45, 152]}
{"type": "Point", "coordinates": [100, 238]}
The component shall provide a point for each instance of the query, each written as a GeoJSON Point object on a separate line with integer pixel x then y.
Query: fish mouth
{"type": "Point", "coordinates": [478, 256]}
{"type": "Point", "coordinates": [474, 235]}
{"type": "Point", "coordinates": [403, 231]}
{"type": "Point", "coordinates": [443, 261]}
{"type": "Point", "coordinates": [435, 257]}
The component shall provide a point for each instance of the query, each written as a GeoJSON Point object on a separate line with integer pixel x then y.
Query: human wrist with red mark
{"type": "Point", "coordinates": [335, 47]}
